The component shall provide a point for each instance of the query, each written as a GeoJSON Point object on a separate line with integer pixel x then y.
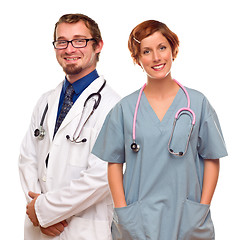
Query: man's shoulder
{"type": "Point", "coordinates": [108, 94]}
{"type": "Point", "coordinates": [44, 97]}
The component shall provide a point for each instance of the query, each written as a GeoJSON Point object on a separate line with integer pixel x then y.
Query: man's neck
{"type": "Point", "coordinates": [75, 77]}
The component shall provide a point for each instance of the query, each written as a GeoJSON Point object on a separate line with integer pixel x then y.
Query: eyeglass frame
{"type": "Point", "coordinates": [71, 41]}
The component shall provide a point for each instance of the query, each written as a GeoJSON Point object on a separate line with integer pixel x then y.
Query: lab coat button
{"type": "Point", "coordinates": [44, 178]}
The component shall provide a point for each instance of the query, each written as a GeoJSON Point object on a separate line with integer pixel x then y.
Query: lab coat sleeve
{"type": "Point", "coordinates": [211, 144]}
{"type": "Point", "coordinates": [110, 146]}
{"type": "Point", "coordinates": [28, 159]}
{"type": "Point", "coordinates": [82, 193]}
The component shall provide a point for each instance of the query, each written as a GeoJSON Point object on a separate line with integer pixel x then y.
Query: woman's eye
{"type": "Point", "coordinates": [162, 48]}
{"type": "Point", "coordinates": [146, 52]}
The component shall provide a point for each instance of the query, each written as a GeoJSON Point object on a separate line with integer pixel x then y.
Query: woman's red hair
{"type": "Point", "coordinates": [146, 29]}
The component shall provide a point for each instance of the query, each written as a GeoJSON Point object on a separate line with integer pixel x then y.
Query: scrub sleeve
{"type": "Point", "coordinates": [211, 143]}
{"type": "Point", "coordinates": [110, 143]}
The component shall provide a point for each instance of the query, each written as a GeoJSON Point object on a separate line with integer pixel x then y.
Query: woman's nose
{"type": "Point", "coordinates": [156, 56]}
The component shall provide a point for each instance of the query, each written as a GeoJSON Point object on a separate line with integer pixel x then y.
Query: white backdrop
{"type": "Point", "coordinates": [209, 60]}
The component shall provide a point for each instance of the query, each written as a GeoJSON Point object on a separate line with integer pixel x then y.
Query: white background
{"type": "Point", "coordinates": [209, 60]}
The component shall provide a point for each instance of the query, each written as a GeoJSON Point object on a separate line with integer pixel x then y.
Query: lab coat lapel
{"type": "Point", "coordinates": [78, 106]}
{"type": "Point", "coordinates": [53, 102]}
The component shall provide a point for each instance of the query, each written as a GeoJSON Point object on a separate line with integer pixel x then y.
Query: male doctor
{"type": "Point", "coordinates": [65, 185]}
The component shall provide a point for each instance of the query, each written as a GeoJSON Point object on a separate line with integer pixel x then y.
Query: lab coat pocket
{"type": "Point", "coordinates": [127, 223]}
{"type": "Point", "coordinates": [82, 149]}
{"type": "Point", "coordinates": [196, 223]}
{"type": "Point", "coordinates": [80, 228]}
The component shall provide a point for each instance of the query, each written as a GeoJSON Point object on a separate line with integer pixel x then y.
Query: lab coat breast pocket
{"type": "Point", "coordinates": [79, 152]}
{"type": "Point", "coordinates": [127, 223]}
{"type": "Point", "coordinates": [196, 223]}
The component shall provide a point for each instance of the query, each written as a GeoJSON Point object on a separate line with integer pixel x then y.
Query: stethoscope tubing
{"type": "Point", "coordinates": [188, 104]}
{"type": "Point", "coordinates": [40, 132]}
{"type": "Point", "coordinates": [189, 110]}
{"type": "Point", "coordinates": [181, 154]}
{"type": "Point", "coordinates": [136, 112]}
{"type": "Point", "coordinates": [95, 106]}
{"type": "Point", "coordinates": [75, 139]}
{"type": "Point", "coordinates": [135, 147]}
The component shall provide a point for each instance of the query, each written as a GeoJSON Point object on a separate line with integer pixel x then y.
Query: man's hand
{"type": "Point", "coordinates": [30, 209]}
{"type": "Point", "coordinates": [54, 230]}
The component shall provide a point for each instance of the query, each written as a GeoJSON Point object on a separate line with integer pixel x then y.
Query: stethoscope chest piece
{"type": "Point", "coordinates": [135, 147]}
{"type": "Point", "coordinates": [40, 133]}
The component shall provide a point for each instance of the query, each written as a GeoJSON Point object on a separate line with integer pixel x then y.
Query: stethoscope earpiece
{"type": "Point", "coordinates": [135, 147]}
{"type": "Point", "coordinates": [178, 154]}
{"type": "Point", "coordinates": [75, 140]}
{"type": "Point", "coordinates": [67, 137]}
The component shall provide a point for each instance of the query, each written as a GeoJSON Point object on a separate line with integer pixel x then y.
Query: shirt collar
{"type": "Point", "coordinates": [80, 85]}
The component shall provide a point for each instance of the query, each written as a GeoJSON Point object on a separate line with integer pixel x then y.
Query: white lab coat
{"type": "Point", "coordinates": [74, 187]}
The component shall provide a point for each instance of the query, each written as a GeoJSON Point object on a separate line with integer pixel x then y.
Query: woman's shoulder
{"type": "Point", "coordinates": [195, 93]}
{"type": "Point", "coordinates": [197, 98]}
{"type": "Point", "coordinates": [130, 97]}
{"type": "Point", "coordinates": [200, 103]}
{"type": "Point", "coordinates": [128, 100]}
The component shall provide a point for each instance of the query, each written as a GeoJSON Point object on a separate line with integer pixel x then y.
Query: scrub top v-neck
{"type": "Point", "coordinates": [152, 114]}
{"type": "Point", "coordinates": [162, 191]}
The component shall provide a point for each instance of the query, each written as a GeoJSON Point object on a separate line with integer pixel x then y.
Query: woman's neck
{"type": "Point", "coordinates": [161, 88]}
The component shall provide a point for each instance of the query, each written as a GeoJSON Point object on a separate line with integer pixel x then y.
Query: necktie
{"type": "Point", "coordinates": [66, 106]}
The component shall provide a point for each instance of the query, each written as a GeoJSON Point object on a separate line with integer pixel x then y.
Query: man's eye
{"type": "Point", "coordinates": [79, 41]}
{"type": "Point", "coordinates": [61, 42]}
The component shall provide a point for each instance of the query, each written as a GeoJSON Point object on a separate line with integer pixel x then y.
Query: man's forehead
{"type": "Point", "coordinates": [78, 29]}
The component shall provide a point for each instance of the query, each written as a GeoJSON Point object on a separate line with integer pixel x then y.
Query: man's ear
{"type": "Point", "coordinates": [99, 46]}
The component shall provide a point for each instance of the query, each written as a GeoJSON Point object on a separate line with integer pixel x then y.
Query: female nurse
{"type": "Point", "coordinates": [169, 179]}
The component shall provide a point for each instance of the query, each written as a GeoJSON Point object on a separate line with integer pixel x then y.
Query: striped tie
{"type": "Point", "coordinates": [67, 104]}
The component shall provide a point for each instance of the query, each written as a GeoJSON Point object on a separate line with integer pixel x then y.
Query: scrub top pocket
{"type": "Point", "coordinates": [127, 223]}
{"type": "Point", "coordinates": [196, 223]}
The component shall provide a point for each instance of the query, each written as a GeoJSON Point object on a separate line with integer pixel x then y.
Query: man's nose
{"type": "Point", "coordinates": [70, 48]}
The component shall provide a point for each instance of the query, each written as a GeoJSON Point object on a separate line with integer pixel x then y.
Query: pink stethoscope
{"type": "Point", "coordinates": [135, 147]}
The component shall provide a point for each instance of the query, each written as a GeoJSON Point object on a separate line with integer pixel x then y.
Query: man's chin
{"type": "Point", "coordinates": [72, 70]}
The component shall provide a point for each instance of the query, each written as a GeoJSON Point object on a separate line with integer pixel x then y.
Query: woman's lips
{"type": "Point", "coordinates": [158, 67]}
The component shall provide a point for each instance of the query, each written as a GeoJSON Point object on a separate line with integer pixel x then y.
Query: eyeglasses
{"type": "Point", "coordinates": [77, 43]}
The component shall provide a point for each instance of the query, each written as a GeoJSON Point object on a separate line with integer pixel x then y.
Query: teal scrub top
{"type": "Point", "coordinates": [162, 191]}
